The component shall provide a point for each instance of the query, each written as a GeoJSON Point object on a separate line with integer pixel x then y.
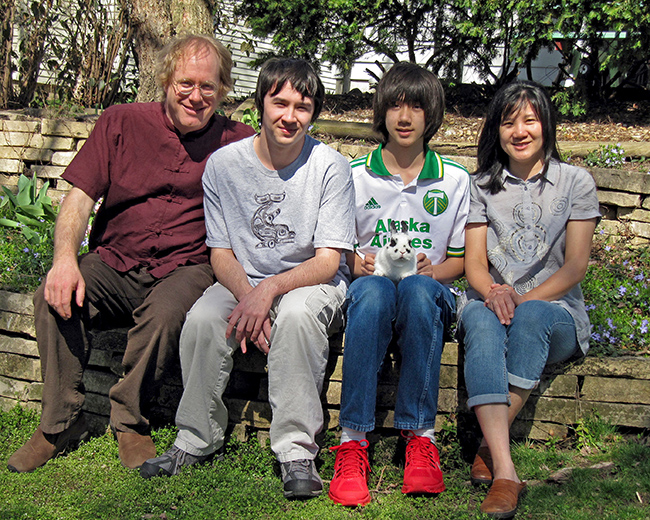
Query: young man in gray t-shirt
{"type": "Point", "coordinates": [279, 211]}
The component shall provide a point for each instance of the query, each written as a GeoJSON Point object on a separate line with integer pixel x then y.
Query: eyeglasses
{"type": "Point", "coordinates": [185, 87]}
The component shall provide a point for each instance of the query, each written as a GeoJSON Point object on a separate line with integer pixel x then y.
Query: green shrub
{"type": "Point", "coordinates": [606, 156]}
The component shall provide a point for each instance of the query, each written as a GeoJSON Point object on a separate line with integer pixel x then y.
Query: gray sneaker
{"type": "Point", "coordinates": [171, 462]}
{"type": "Point", "coordinates": [300, 479]}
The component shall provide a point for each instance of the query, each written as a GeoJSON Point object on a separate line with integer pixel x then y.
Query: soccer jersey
{"type": "Point", "coordinates": [435, 205]}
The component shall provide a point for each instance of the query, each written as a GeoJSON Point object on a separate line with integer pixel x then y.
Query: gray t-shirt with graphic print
{"type": "Point", "coordinates": [275, 220]}
{"type": "Point", "coordinates": [526, 236]}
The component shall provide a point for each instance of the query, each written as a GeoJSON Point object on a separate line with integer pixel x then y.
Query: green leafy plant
{"type": "Point", "coordinates": [569, 103]}
{"type": "Point", "coordinates": [251, 117]}
{"type": "Point", "coordinates": [32, 210]}
{"type": "Point", "coordinates": [606, 156]}
{"type": "Point", "coordinates": [594, 433]}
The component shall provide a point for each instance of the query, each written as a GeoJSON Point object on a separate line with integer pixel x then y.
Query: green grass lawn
{"type": "Point", "coordinates": [90, 483]}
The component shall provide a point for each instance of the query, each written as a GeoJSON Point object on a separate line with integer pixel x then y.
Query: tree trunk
{"type": "Point", "coordinates": [155, 22]}
{"type": "Point", "coordinates": [6, 39]}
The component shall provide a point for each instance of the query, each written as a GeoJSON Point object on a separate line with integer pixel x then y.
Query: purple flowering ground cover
{"type": "Point", "coordinates": [617, 297]}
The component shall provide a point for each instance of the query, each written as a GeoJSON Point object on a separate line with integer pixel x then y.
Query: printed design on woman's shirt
{"type": "Point", "coordinates": [263, 225]}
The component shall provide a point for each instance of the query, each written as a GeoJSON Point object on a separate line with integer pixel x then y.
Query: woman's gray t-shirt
{"type": "Point", "coordinates": [526, 235]}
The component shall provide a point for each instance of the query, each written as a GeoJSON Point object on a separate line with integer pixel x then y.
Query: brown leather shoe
{"type": "Point", "coordinates": [482, 467]}
{"type": "Point", "coordinates": [42, 447]}
{"type": "Point", "coordinates": [501, 501]}
{"type": "Point", "coordinates": [134, 449]}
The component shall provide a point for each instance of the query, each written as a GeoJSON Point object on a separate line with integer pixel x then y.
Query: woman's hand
{"type": "Point", "coordinates": [502, 300]}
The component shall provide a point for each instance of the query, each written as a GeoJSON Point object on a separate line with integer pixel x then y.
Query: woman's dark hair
{"type": "Point", "coordinates": [509, 99]}
{"type": "Point", "coordinates": [276, 72]}
{"type": "Point", "coordinates": [411, 84]}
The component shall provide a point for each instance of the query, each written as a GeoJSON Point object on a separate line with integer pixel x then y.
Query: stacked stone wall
{"type": "Point", "coordinates": [617, 389]}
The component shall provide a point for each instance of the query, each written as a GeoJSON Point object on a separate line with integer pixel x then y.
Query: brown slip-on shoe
{"type": "Point", "coordinates": [481, 472]}
{"type": "Point", "coordinates": [134, 449]}
{"type": "Point", "coordinates": [42, 447]}
{"type": "Point", "coordinates": [501, 501]}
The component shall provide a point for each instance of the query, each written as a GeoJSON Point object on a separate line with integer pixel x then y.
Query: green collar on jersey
{"type": "Point", "coordinates": [432, 168]}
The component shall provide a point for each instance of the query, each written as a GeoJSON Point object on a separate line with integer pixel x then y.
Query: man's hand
{"type": "Point", "coordinates": [250, 319]}
{"type": "Point", "coordinates": [63, 280]}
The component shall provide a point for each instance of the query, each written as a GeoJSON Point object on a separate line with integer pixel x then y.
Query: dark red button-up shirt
{"type": "Point", "coordinates": [150, 178]}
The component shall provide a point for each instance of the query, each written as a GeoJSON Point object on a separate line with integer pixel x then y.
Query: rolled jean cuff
{"type": "Point", "coordinates": [357, 427]}
{"type": "Point", "coordinates": [520, 382]}
{"type": "Point", "coordinates": [488, 399]}
{"type": "Point", "coordinates": [414, 426]}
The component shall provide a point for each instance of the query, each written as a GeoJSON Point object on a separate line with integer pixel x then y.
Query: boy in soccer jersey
{"type": "Point", "coordinates": [402, 180]}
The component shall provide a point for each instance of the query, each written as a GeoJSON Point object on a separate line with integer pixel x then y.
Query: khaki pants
{"type": "Point", "coordinates": [302, 321]}
{"type": "Point", "coordinates": [154, 309]}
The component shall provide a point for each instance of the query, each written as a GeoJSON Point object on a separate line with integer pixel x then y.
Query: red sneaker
{"type": "Point", "coordinates": [422, 473]}
{"type": "Point", "coordinates": [349, 486]}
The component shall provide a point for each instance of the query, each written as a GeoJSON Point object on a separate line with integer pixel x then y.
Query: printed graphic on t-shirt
{"type": "Point", "coordinates": [263, 223]}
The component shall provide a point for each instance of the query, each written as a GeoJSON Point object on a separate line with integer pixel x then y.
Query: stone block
{"type": "Point", "coordinates": [448, 376]}
{"type": "Point", "coordinates": [255, 413]}
{"type": "Point", "coordinates": [620, 414]}
{"type": "Point", "coordinates": [20, 390]}
{"type": "Point", "coordinates": [25, 154]}
{"type": "Point", "coordinates": [620, 199]}
{"type": "Point", "coordinates": [105, 359]}
{"type": "Point", "coordinates": [16, 302]}
{"type": "Point", "coordinates": [22, 346]}
{"type": "Point", "coordinates": [63, 158]}
{"type": "Point", "coordinates": [11, 166]}
{"type": "Point", "coordinates": [450, 354]}
{"type": "Point", "coordinates": [640, 229]}
{"type": "Point", "coordinates": [113, 340]}
{"type": "Point", "coordinates": [20, 367]}
{"type": "Point", "coordinates": [46, 171]}
{"type": "Point", "coordinates": [632, 368]}
{"type": "Point", "coordinates": [20, 126]}
{"type": "Point", "coordinates": [558, 386]}
{"type": "Point", "coordinates": [99, 382]}
{"type": "Point", "coordinates": [6, 404]}
{"type": "Point", "coordinates": [98, 404]}
{"type": "Point", "coordinates": [538, 430]}
{"type": "Point", "coordinates": [61, 127]}
{"type": "Point", "coordinates": [448, 400]}
{"type": "Point", "coordinates": [354, 151]}
{"type": "Point", "coordinates": [553, 409]}
{"type": "Point", "coordinates": [468, 162]}
{"type": "Point", "coordinates": [21, 323]}
{"type": "Point", "coordinates": [621, 180]}
{"type": "Point", "coordinates": [634, 214]}
{"type": "Point", "coordinates": [616, 390]}
{"type": "Point", "coordinates": [97, 424]}
{"type": "Point", "coordinates": [27, 140]}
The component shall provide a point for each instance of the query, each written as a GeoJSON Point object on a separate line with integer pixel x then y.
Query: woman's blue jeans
{"type": "Point", "coordinates": [417, 311]}
{"type": "Point", "coordinates": [541, 333]}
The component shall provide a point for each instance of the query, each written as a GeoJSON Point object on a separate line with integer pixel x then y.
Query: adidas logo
{"type": "Point", "coordinates": [372, 204]}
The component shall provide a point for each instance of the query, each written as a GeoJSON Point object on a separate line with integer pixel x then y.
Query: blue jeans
{"type": "Point", "coordinates": [541, 333]}
{"type": "Point", "coordinates": [420, 308]}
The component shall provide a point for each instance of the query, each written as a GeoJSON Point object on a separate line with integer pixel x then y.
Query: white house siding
{"type": "Point", "coordinates": [236, 36]}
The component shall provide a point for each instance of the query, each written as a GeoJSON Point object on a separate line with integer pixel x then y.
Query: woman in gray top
{"type": "Point", "coordinates": [527, 246]}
